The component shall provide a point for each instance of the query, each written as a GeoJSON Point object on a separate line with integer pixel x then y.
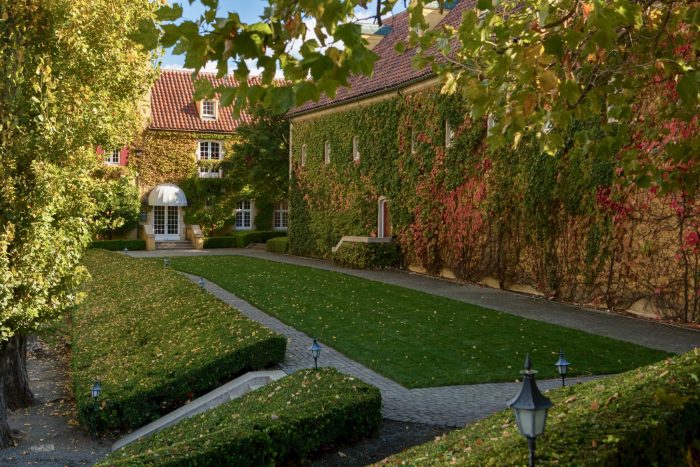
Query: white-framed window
{"type": "Point", "coordinates": [209, 109]}
{"type": "Point", "coordinates": [244, 215]}
{"type": "Point", "coordinates": [449, 134]}
{"type": "Point", "coordinates": [280, 216]}
{"type": "Point", "coordinates": [355, 149]}
{"type": "Point", "coordinates": [303, 155]}
{"type": "Point", "coordinates": [209, 151]}
{"type": "Point", "coordinates": [327, 152]}
{"type": "Point", "coordinates": [490, 124]}
{"type": "Point", "coordinates": [113, 157]}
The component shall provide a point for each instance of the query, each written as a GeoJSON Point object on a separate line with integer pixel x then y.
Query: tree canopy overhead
{"type": "Point", "coordinates": [533, 66]}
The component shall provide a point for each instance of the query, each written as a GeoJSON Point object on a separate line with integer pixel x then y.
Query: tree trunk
{"type": "Point", "coordinates": [5, 432]}
{"type": "Point", "coordinates": [17, 392]}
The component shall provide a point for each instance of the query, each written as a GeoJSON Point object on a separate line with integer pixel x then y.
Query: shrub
{"type": "Point", "coordinates": [368, 255]}
{"type": "Point", "coordinates": [647, 416]}
{"type": "Point", "coordinates": [118, 245]}
{"type": "Point", "coordinates": [280, 424]}
{"type": "Point", "coordinates": [277, 245]}
{"type": "Point", "coordinates": [242, 239]}
{"type": "Point", "coordinates": [155, 340]}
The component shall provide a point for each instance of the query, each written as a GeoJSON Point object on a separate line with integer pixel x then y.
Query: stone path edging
{"type": "Point", "coordinates": [450, 405]}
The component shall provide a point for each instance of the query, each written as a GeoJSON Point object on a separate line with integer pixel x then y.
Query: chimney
{"type": "Point", "coordinates": [373, 34]}
{"type": "Point", "coordinates": [432, 14]}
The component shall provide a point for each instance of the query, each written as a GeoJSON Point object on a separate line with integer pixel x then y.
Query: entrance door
{"type": "Point", "coordinates": [384, 219]}
{"type": "Point", "coordinates": [166, 223]}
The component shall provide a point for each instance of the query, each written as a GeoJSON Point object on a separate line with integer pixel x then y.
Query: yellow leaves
{"type": "Point", "coordinates": [548, 81]}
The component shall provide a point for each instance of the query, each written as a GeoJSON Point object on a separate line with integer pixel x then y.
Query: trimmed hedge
{"type": "Point", "coordinates": [154, 339]}
{"type": "Point", "coordinates": [277, 245]}
{"type": "Point", "coordinates": [368, 255]}
{"type": "Point", "coordinates": [280, 424]}
{"type": "Point", "coordinates": [242, 239]}
{"type": "Point", "coordinates": [118, 245]}
{"type": "Point", "coordinates": [647, 416]}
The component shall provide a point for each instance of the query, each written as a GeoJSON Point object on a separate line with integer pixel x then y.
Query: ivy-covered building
{"type": "Point", "coordinates": [181, 160]}
{"type": "Point", "coordinates": [392, 161]}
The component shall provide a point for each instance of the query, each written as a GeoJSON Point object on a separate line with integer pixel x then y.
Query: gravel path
{"type": "Point", "coordinates": [47, 433]}
{"type": "Point", "coordinates": [393, 437]}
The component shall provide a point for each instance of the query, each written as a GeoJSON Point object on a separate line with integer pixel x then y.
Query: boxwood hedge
{"type": "Point", "coordinates": [280, 424]}
{"type": "Point", "coordinates": [368, 255]}
{"type": "Point", "coordinates": [154, 340]}
{"type": "Point", "coordinates": [648, 416]}
{"type": "Point", "coordinates": [118, 245]}
{"type": "Point", "coordinates": [242, 239]}
{"type": "Point", "coordinates": [277, 245]}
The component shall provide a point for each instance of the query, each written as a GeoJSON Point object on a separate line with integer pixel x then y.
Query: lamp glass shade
{"type": "Point", "coordinates": [315, 349]}
{"type": "Point", "coordinates": [531, 422]}
{"type": "Point", "coordinates": [201, 282]}
{"type": "Point", "coordinates": [96, 390]}
{"type": "Point", "coordinates": [562, 364]}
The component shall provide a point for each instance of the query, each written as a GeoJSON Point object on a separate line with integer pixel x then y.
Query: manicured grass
{"type": "Point", "coordinates": [154, 340]}
{"type": "Point", "coordinates": [279, 424]}
{"type": "Point", "coordinates": [648, 416]}
{"type": "Point", "coordinates": [414, 338]}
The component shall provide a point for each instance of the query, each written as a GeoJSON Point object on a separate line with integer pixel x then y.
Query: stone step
{"type": "Point", "coordinates": [257, 246]}
{"type": "Point", "coordinates": [174, 245]}
{"type": "Point", "coordinates": [229, 391]}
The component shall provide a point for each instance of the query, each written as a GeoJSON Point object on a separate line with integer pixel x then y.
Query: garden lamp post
{"type": "Point", "coordinates": [95, 391]}
{"type": "Point", "coordinates": [166, 261]}
{"type": "Point", "coordinates": [201, 282]}
{"type": "Point", "coordinates": [562, 367]}
{"type": "Point", "coordinates": [315, 352]}
{"type": "Point", "coordinates": [530, 408]}
{"type": "Point", "coordinates": [126, 251]}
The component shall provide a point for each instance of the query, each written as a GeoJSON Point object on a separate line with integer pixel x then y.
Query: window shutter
{"type": "Point", "coordinates": [124, 156]}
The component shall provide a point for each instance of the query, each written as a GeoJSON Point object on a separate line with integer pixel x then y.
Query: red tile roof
{"type": "Point", "coordinates": [392, 70]}
{"type": "Point", "coordinates": [173, 106]}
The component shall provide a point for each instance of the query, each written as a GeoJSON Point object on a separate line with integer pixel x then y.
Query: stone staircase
{"type": "Point", "coordinates": [174, 245]}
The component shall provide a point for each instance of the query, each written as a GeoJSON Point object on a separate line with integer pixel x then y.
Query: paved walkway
{"type": "Point", "coordinates": [451, 405]}
{"type": "Point", "coordinates": [639, 331]}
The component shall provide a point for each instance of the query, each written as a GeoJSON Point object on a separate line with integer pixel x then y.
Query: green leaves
{"type": "Point", "coordinates": [688, 88]}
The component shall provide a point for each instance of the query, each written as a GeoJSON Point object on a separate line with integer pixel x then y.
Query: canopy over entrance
{"type": "Point", "coordinates": [167, 194]}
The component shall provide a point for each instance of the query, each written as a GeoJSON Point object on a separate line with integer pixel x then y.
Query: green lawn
{"type": "Point", "coordinates": [414, 338]}
{"type": "Point", "coordinates": [154, 340]}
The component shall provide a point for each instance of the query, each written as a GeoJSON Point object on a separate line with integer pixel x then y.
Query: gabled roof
{"type": "Point", "coordinates": [173, 106]}
{"type": "Point", "coordinates": [392, 70]}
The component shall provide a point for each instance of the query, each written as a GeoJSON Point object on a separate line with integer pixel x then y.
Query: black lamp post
{"type": "Point", "coordinates": [95, 391]}
{"type": "Point", "coordinates": [530, 408]}
{"type": "Point", "coordinates": [201, 282]}
{"type": "Point", "coordinates": [166, 261]}
{"type": "Point", "coordinates": [562, 367]}
{"type": "Point", "coordinates": [315, 352]}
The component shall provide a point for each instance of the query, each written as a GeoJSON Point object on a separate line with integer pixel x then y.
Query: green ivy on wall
{"type": "Point", "coordinates": [170, 157]}
{"type": "Point", "coordinates": [516, 215]}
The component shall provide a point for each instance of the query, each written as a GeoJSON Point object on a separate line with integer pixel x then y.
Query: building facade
{"type": "Point", "coordinates": [391, 158]}
{"type": "Point", "coordinates": [180, 160]}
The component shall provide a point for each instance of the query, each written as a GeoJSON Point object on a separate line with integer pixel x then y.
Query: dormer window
{"type": "Point", "coordinates": [112, 157]}
{"type": "Point", "coordinates": [208, 109]}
